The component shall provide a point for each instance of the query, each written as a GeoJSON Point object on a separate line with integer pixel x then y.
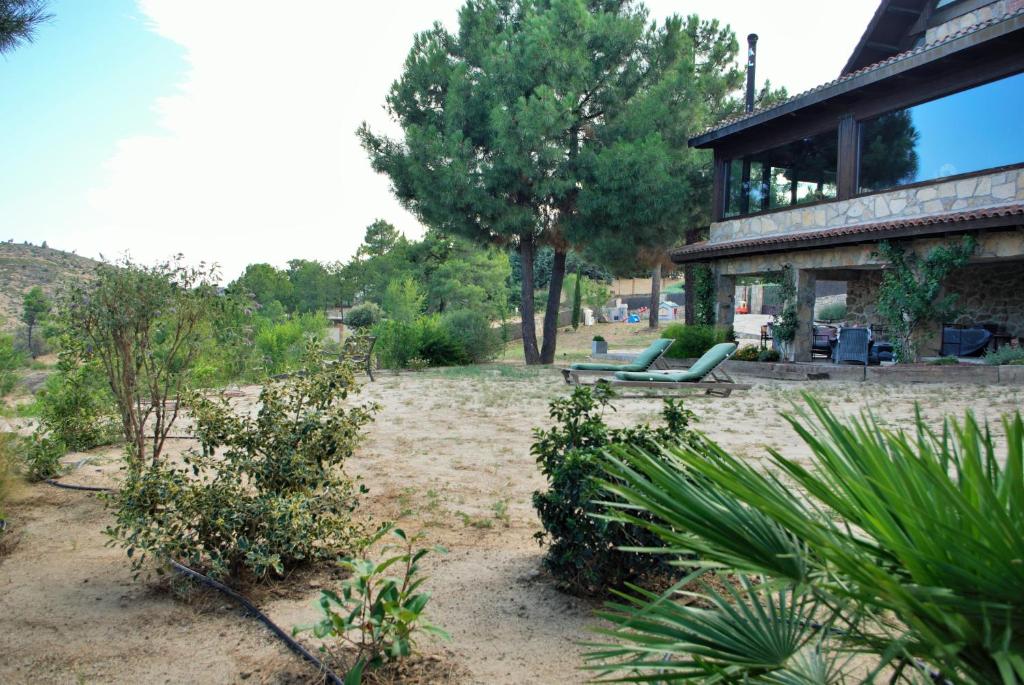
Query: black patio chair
{"type": "Point", "coordinates": [853, 346]}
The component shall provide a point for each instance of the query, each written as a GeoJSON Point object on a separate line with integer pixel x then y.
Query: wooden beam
{"type": "Point", "coordinates": [849, 152]}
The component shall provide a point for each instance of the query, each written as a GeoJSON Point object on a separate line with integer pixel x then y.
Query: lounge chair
{"type": "Point", "coordinates": [651, 358]}
{"type": "Point", "coordinates": [854, 346]}
{"type": "Point", "coordinates": [693, 378]}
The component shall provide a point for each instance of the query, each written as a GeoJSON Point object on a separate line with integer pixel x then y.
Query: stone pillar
{"type": "Point", "coordinates": [725, 299]}
{"type": "Point", "coordinates": [805, 286]}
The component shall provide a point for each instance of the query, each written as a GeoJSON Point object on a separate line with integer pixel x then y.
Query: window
{"type": "Point", "coordinates": [968, 131]}
{"type": "Point", "coordinates": [796, 173]}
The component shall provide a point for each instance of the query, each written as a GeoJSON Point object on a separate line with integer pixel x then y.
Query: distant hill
{"type": "Point", "coordinates": [25, 266]}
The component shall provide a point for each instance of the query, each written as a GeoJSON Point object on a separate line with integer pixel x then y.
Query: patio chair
{"type": "Point", "coordinates": [359, 351]}
{"type": "Point", "coordinates": [822, 338]}
{"type": "Point", "coordinates": [854, 346]}
{"type": "Point", "coordinates": [651, 358]}
{"type": "Point", "coordinates": [694, 378]}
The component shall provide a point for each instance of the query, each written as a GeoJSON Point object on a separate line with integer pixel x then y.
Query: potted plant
{"type": "Point", "coordinates": [598, 345]}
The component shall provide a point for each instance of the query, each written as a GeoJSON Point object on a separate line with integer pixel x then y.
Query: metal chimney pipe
{"type": "Point", "coordinates": [751, 65]}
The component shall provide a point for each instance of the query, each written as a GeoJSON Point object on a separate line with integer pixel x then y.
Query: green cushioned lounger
{"type": "Point", "coordinates": [642, 362]}
{"type": "Point", "coordinates": [708, 362]}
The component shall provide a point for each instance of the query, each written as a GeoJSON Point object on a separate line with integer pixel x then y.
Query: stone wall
{"type": "Point", "coordinates": [1003, 187]}
{"type": "Point", "coordinates": [987, 294]}
{"type": "Point", "coordinates": [990, 11]}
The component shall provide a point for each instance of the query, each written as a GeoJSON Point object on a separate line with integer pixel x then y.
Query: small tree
{"type": "Point", "coordinates": [577, 300]}
{"type": "Point", "coordinates": [911, 292]}
{"type": "Point", "coordinates": [143, 324]}
{"type": "Point", "coordinates": [34, 308]}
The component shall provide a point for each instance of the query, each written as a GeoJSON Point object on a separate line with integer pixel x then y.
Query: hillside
{"type": "Point", "coordinates": [24, 266]}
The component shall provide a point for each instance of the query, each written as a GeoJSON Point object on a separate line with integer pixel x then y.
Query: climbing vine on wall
{"type": "Point", "coordinates": [910, 296]}
{"type": "Point", "coordinates": [704, 295]}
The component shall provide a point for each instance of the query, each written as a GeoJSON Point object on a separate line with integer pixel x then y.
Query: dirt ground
{"type": "Point", "coordinates": [448, 455]}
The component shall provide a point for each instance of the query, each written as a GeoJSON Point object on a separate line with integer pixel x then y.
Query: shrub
{"type": "Point", "coordinates": [944, 361]}
{"type": "Point", "coordinates": [281, 344]}
{"type": "Point", "coordinates": [768, 355]}
{"type": "Point", "coordinates": [42, 455]}
{"type": "Point", "coordinates": [927, 527]}
{"type": "Point", "coordinates": [1005, 355]}
{"type": "Point", "coordinates": [473, 333]}
{"type": "Point", "coordinates": [76, 408]}
{"type": "Point", "coordinates": [397, 343]}
{"type": "Point", "coordinates": [10, 361]}
{"type": "Point", "coordinates": [584, 551]}
{"type": "Point", "coordinates": [832, 312]}
{"type": "Point", "coordinates": [403, 300]}
{"type": "Point", "coordinates": [693, 341]}
{"type": "Point", "coordinates": [272, 499]}
{"type": "Point", "coordinates": [598, 338]}
{"type": "Point", "coordinates": [363, 316]}
{"type": "Point", "coordinates": [376, 613]}
{"type": "Point", "coordinates": [749, 353]}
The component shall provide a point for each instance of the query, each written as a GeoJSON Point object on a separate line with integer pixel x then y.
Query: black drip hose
{"type": "Point", "coordinates": [328, 675]}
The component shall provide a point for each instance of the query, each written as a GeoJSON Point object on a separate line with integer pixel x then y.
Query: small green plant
{"type": "Point", "coordinates": [598, 338]}
{"type": "Point", "coordinates": [832, 312]}
{"type": "Point", "coordinates": [42, 454]}
{"type": "Point", "coordinates": [377, 614]}
{"type": "Point", "coordinates": [944, 361]}
{"type": "Point", "coordinates": [749, 353]}
{"type": "Point", "coordinates": [1006, 354]}
{"type": "Point", "coordinates": [585, 552]}
{"type": "Point", "coordinates": [768, 355]}
{"type": "Point", "coordinates": [693, 341]}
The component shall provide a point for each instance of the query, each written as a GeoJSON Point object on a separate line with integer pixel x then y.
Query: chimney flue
{"type": "Point", "coordinates": [751, 64]}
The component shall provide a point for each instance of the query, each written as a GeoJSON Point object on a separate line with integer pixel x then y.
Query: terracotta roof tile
{"type": "Point", "coordinates": [864, 70]}
{"type": "Point", "coordinates": [709, 249]}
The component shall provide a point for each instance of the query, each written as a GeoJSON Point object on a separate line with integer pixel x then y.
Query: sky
{"type": "Point", "coordinates": [224, 130]}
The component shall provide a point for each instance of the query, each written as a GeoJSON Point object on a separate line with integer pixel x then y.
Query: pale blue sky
{"type": "Point", "coordinates": [224, 129]}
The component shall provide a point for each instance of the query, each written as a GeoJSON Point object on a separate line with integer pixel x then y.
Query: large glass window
{"type": "Point", "coordinates": [795, 173]}
{"type": "Point", "coordinates": [969, 131]}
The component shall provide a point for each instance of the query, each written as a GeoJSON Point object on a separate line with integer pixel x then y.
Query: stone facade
{"type": "Point", "coordinates": [987, 294]}
{"type": "Point", "coordinates": [990, 11]}
{"type": "Point", "coordinates": [1003, 187]}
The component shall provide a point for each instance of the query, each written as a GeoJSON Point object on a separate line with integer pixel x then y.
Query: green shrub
{"type": "Point", "coordinates": [693, 341]}
{"type": "Point", "coordinates": [364, 315]}
{"type": "Point", "coordinates": [436, 345]}
{"type": "Point", "coordinates": [832, 312]}
{"type": "Point", "coordinates": [1005, 355]}
{"type": "Point", "coordinates": [42, 455]}
{"type": "Point", "coordinates": [584, 552]}
{"type": "Point", "coordinates": [281, 345]}
{"type": "Point", "coordinates": [76, 407]}
{"type": "Point", "coordinates": [768, 355]}
{"type": "Point", "coordinates": [598, 338]}
{"type": "Point", "coordinates": [376, 613]}
{"type": "Point", "coordinates": [473, 333]}
{"type": "Point", "coordinates": [944, 361]}
{"type": "Point", "coordinates": [904, 548]}
{"type": "Point", "coordinates": [11, 360]}
{"type": "Point", "coordinates": [403, 300]}
{"type": "Point", "coordinates": [272, 498]}
{"type": "Point", "coordinates": [749, 353]}
{"type": "Point", "coordinates": [397, 343]}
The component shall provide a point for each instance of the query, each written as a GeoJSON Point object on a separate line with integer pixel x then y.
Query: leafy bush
{"type": "Point", "coordinates": [598, 338]}
{"type": "Point", "coordinates": [10, 361]}
{"type": "Point", "coordinates": [272, 499]}
{"type": "Point", "coordinates": [397, 343]}
{"type": "Point", "coordinates": [436, 345]}
{"type": "Point", "coordinates": [42, 455]}
{"type": "Point", "coordinates": [904, 548]}
{"type": "Point", "coordinates": [1005, 355]}
{"type": "Point", "coordinates": [377, 614]}
{"type": "Point", "coordinates": [693, 341]}
{"type": "Point", "coordinates": [832, 312]}
{"type": "Point", "coordinates": [281, 344]}
{"type": "Point", "coordinates": [76, 408]}
{"type": "Point", "coordinates": [768, 355]}
{"type": "Point", "coordinates": [8, 445]}
{"type": "Point", "coordinates": [473, 333]}
{"type": "Point", "coordinates": [403, 300]}
{"type": "Point", "coordinates": [749, 353]}
{"type": "Point", "coordinates": [585, 552]}
{"type": "Point", "coordinates": [944, 361]}
{"type": "Point", "coordinates": [363, 316]}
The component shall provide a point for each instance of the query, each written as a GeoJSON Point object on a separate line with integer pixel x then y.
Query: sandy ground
{"type": "Point", "coordinates": [448, 455]}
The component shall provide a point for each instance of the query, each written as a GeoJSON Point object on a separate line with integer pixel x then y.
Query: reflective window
{"type": "Point", "coordinates": [795, 173]}
{"type": "Point", "coordinates": [969, 131]}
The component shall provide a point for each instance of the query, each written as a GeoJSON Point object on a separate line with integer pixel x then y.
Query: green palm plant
{"type": "Point", "coordinates": [905, 549]}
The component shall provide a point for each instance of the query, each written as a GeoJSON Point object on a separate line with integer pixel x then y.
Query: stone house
{"type": "Point", "coordinates": [919, 140]}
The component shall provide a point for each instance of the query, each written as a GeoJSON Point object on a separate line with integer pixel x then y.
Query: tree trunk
{"type": "Point", "coordinates": [31, 350]}
{"type": "Point", "coordinates": [652, 316]}
{"type": "Point", "coordinates": [689, 305]}
{"type": "Point", "coordinates": [547, 352]}
{"type": "Point", "coordinates": [529, 325]}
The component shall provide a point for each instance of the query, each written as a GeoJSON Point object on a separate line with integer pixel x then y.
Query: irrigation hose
{"type": "Point", "coordinates": [328, 675]}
